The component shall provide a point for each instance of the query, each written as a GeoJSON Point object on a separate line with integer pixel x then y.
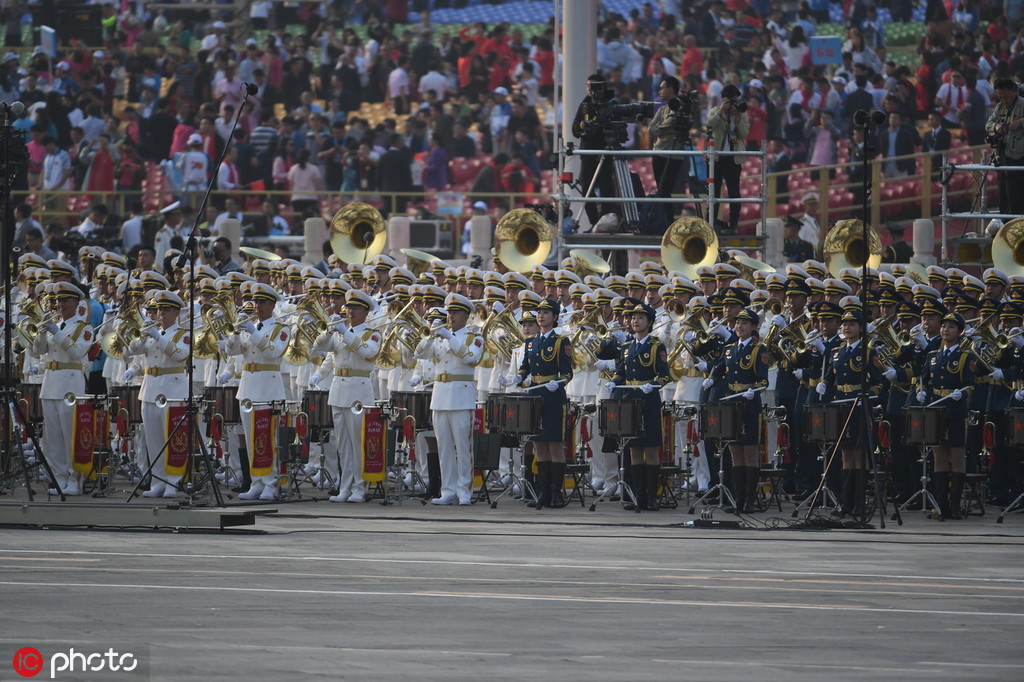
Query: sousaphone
{"type": "Point", "coordinates": [688, 244]}
{"type": "Point", "coordinates": [358, 233]}
{"type": "Point", "coordinates": [523, 239]}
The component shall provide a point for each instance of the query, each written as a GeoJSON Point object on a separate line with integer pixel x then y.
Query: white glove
{"type": "Point", "coordinates": [1018, 340]}
{"type": "Point", "coordinates": [1019, 395]}
{"type": "Point", "coordinates": [248, 327]}
{"type": "Point", "coordinates": [996, 375]}
{"type": "Point", "coordinates": [415, 380]}
{"type": "Point", "coordinates": [956, 395]}
{"type": "Point", "coordinates": [889, 373]}
{"type": "Point", "coordinates": [749, 394]}
{"type": "Point", "coordinates": [502, 380]}
{"type": "Point", "coordinates": [922, 396]}
{"type": "Point", "coordinates": [722, 331]}
{"type": "Point", "coordinates": [798, 374]}
{"type": "Point", "coordinates": [33, 369]}
{"type": "Point", "coordinates": [779, 321]}
{"type": "Point", "coordinates": [701, 365]}
{"type": "Point", "coordinates": [922, 340]}
{"type": "Point", "coordinates": [610, 386]}
{"type": "Point", "coordinates": [445, 333]}
{"type": "Point", "coordinates": [552, 386]}
{"type": "Point", "coordinates": [605, 365]}
{"type": "Point", "coordinates": [315, 380]}
{"type": "Point", "coordinates": [821, 388]}
{"type": "Point", "coordinates": [153, 332]}
{"type": "Point", "coordinates": [968, 332]}
{"type": "Point", "coordinates": [222, 345]}
{"type": "Point", "coordinates": [648, 388]}
{"type": "Point", "coordinates": [497, 307]}
{"type": "Point", "coordinates": [818, 344]}
{"type": "Point", "coordinates": [51, 327]}
{"type": "Point", "coordinates": [128, 375]}
{"type": "Point", "coordinates": [707, 383]}
{"type": "Point", "coordinates": [341, 327]}
{"type": "Point", "coordinates": [688, 337]}
{"type": "Point", "coordinates": [224, 377]}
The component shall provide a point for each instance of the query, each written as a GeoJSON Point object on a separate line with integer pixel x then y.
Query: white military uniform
{"type": "Point", "coordinates": [67, 351]}
{"type": "Point", "coordinates": [452, 403]}
{"type": "Point", "coordinates": [354, 352]}
{"type": "Point", "coordinates": [164, 374]}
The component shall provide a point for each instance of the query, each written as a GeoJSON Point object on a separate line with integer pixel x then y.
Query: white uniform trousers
{"type": "Point", "coordinates": [699, 467]}
{"type": "Point", "coordinates": [454, 431]}
{"type": "Point", "coordinates": [349, 439]}
{"type": "Point", "coordinates": [604, 466]}
{"type": "Point", "coordinates": [58, 425]}
{"type": "Point", "coordinates": [154, 429]}
{"type": "Point", "coordinates": [267, 481]}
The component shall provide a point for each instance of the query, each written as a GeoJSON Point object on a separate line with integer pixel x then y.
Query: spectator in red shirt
{"type": "Point", "coordinates": [758, 118]}
{"type": "Point", "coordinates": [693, 60]}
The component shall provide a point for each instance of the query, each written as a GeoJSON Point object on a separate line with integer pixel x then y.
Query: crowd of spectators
{"type": "Point", "coordinates": [164, 87]}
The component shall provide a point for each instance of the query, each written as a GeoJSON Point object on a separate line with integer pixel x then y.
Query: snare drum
{"type": "Point", "coordinates": [221, 400]}
{"type": "Point", "coordinates": [722, 421]}
{"type": "Point", "coordinates": [623, 418]}
{"type": "Point", "coordinates": [128, 400]}
{"type": "Point", "coordinates": [823, 422]}
{"type": "Point", "coordinates": [1014, 421]}
{"type": "Point", "coordinates": [33, 405]}
{"type": "Point", "coordinates": [925, 426]}
{"type": "Point", "coordinates": [520, 414]}
{"type": "Point", "coordinates": [318, 412]}
{"type": "Point", "coordinates": [492, 411]}
{"type": "Point", "coordinates": [416, 404]}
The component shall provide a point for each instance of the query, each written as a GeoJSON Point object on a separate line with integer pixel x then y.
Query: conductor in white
{"type": "Point", "coordinates": [456, 350]}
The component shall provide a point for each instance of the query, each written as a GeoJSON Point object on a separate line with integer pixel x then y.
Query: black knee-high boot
{"type": "Point", "coordinates": [542, 486]}
{"type": "Point", "coordinates": [652, 480]}
{"type": "Point", "coordinates": [557, 483]}
{"type": "Point", "coordinates": [860, 484]}
{"type": "Point", "coordinates": [846, 494]}
{"type": "Point", "coordinates": [750, 492]}
{"type": "Point", "coordinates": [940, 486]}
{"type": "Point", "coordinates": [434, 476]}
{"type": "Point", "coordinates": [956, 493]}
{"type": "Point", "coordinates": [739, 486]}
{"type": "Point", "coordinates": [638, 485]}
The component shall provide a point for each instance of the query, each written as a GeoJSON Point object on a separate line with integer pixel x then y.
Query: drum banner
{"type": "Point", "coordinates": [667, 451]}
{"type": "Point", "coordinates": [570, 422]}
{"type": "Point", "coordinates": [374, 439]}
{"type": "Point", "coordinates": [102, 420]}
{"type": "Point", "coordinates": [176, 459]}
{"type": "Point", "coordinates": [83, 437]}
{"type": "Point", "coordinates": [263, 438]}
{"type": "Point", "coordinates": [217, 435]}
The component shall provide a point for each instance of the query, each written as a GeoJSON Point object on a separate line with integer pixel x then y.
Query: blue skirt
{"type": "Point", "coordinates": [553, 415]}
{"type": "Point", "coordinates": [651, 421]}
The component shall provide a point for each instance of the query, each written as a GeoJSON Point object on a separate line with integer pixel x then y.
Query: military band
{"type": "Point", "coordinates": [676, 335]}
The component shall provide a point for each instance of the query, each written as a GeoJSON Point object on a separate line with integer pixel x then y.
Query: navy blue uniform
{"type": "Point", "coordinates": [743, 365]}
{"type": "Point", "coordinates": [844, 376]}
{"type": "Point", "coordinates": [639, 363]}
{"type": "Point", "coordinates": [548, 357]}
{"type": "Point", "coordinates": [945, 371]}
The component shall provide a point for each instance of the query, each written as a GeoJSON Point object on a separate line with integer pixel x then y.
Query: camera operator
{"type": "Point", "coordinates": [219, 257]}
{"type": "Point", "coordinates": [1005, 130]}
{"type": "Point", "coordinates": [729, 126]}
{"type": "Point", "coordinates": [593, 137]}
{"type": "Point", "coordinates": [665, 133]}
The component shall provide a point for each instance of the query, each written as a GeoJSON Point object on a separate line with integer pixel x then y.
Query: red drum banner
{"type": "Point", "coordinates": [374, 440]}
{"type": "Point", "coordinates": [176, 461]}
{"type": "Point", "coordinates": [83, 437]}
{"type": "Point", "coordinates": [262, 455]}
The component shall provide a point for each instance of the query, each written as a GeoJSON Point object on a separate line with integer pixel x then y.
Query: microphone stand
{"type": "Point", "coordinates": [189, 255]}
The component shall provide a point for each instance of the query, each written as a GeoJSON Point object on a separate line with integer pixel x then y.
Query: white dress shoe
{"type": "Point", "coordinates": [465, 501]}
{"type": "Point", "coordinates": [597, 483]}
{"type": "Point", "coordinates": [341, 496]}
{"type": "Point", "coordinates": [72, 489]}
{"type": "Point", "coordinates": [269, 493]}
{"type": "Point", "coordinates": [170, 491]}
{"type": "Point", "coordinates": [253, 493]}
{"type": "Point", "coordinates": [445, 500]}
{"type": "Point", "coordinates": [155, 490]}
{"type": "Point", "coordinates": [356, 498]}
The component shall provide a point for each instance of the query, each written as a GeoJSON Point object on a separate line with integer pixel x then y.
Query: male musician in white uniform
{"type": "Point", "coordinates": [261, 343]}
{"type": "Point", "coordinates": [456, 351]}
{"type": "Point", "coordinates": [355, 347]}
{"type": "Point", "coordinates": [67, 345]}
{"type": "Point", "coordinates": [165, 350]}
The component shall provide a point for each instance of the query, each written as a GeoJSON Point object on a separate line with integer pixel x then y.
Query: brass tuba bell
{"type": "Point", "coordinates": [523, 239]}
{"type": "Point", "coordinates": [1008, 247]}
{"type": "Point", "coordinates": [358, 233]}
{"type": "Point", "coordinates": [586, 263]}
{"type": "Point", "coordinates": [688, 244]}
{"type": "Point", "coordinates": [418, 261]}
{"type": "Point", "coordinates": [845, 248]}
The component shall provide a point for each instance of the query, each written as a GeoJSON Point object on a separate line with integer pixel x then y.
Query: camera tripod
{"type": "Point", "coordinates": [622, 180]}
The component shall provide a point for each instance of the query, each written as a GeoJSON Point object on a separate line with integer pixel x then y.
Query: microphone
{"type": "Point", "coordinates": [251, 88]}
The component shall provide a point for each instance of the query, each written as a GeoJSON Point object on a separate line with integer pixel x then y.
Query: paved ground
{"type": "Point", "coordinates": [421, 593]}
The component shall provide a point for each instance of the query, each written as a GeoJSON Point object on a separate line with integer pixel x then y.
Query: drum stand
{"type": "Point", "coordinates": [626, 494]}
{"type": "Point", "coordinates": [324, 480]}
{"type": "Point", "coordinates": [726, 494]}
{"type": "Point", "coordinates": [17, 419]}
{"type": "Point", "coordinates": [1016, 506]}
{"type": "Point", "coordinates": [400, 463]}
{"type": "Point", "coordinates": [828, 498]}
{"type": "Point", "coordinates": [515, 480]}
{"type": "Point", "coordinates": [926, 495]}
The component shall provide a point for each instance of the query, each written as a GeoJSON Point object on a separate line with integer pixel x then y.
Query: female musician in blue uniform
{"type": "Point", "coordinates": [842, 381]}
{"type": "Point", "coordinates": [743, 369]}
{"type": "Point", "coordinates": [949, 373]}
{"type": "Point", "coordinates": [640, 372]}
{"type": "Point", "coordinates": [546, 369]}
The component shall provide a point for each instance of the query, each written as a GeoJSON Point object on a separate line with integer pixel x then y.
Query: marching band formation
{"type": "Point", "coordinates": [608, 376]}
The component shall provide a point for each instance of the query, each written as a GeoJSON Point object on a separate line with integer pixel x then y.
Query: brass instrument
{"type": "Point", "coordinates": [1004, 340]}
{"type": "Point", "coordinates": [311, 321]}
{"type": "Point", "coordinates": [1008, 247]}
{"type": "Point", "coordinates": [523, 239]}
{"type": "Point", "coordinates": [985, 345]}
{"type": "Point", "coordinates": [502, 334]}
{"type": "Point", "coordinates": [785, 343]}
{"type": "Point", "coordinates": [407, 329]}
{"type": "Point", "coordinates": [219, 318]}
{"type": "Point", "coordinates": [130, 327]}
{"type": "Point", "coordinates": [586, 340]}
{"type": "Point", "coordinates": [688, 244]}
{"type": "Point", "coordinates": [748, 266]}
{"type": "Point", "coordinates": [418, 261]}
{"type": "Point", "coordinates": [358, 233]}
{"type": "Point", "coordinates": [27, 330]}
{"type": "Point", "coordinates": [845, 248]}
{"type": "Point", "coordinates": [586, 263]}
{"type": "Point", "coordinates": [885, 343]}
{"type": "Point", "coordinates": [772, 305]}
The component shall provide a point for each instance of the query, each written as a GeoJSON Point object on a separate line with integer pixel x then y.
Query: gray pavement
{"type": "Point", "coordinates": [328, 591]}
